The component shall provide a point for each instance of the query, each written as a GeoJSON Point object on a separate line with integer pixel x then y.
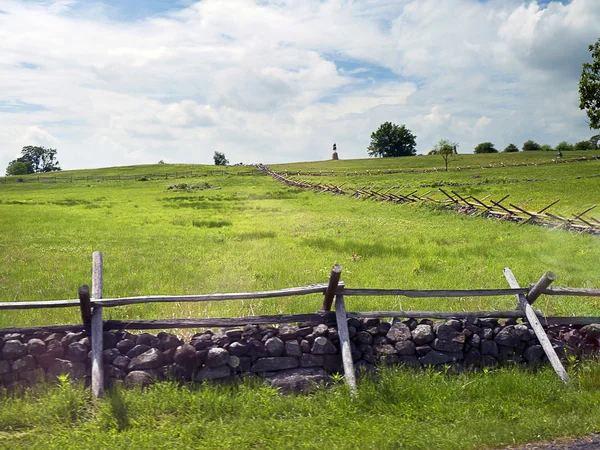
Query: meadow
{"type": "Point", "coordinates": [250, 233]}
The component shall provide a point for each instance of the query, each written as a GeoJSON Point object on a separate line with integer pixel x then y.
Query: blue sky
{"type": "Point", "coordinates": [130, 82]}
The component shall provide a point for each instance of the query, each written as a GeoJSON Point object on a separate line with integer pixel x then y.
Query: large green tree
{"type": "Point", "coordinates": [18, 168]}
{"type": "Point", "coordinates": [485, 147]}
{"type": "Point", "coordinates": [36, 159]}
{"type": "Point", "coordinates": [392, 140]}
{"type": "Point", "coordinates": [531, 146]}
{"type": "Point", "coordinates": [220, 159]}
{"type": "Point", "coordinates": [589, 86]}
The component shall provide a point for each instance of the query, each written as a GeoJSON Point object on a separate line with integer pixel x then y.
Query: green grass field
{"type": "Point", "coordinates": [249, 233]}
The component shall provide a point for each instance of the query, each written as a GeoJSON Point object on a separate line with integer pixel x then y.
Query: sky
{"type": "Point", "coordinates": [125, 82]}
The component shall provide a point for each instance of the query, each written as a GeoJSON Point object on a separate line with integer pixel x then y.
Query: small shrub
{"type": "Point", "coordinates": [211, 223]}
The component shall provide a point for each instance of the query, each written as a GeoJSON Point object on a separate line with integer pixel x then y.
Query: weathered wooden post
{"type": "Point", "coordinates": [537, 328]}
{"type": "Point", "coordinates": [97, 328]}
{"type": "Point", "coordinates": [85, 305]}
{"type": "Point", "coordinates": [342, 327]}
{"type": "Point", "coordinates": [538, 288]}
{"type": "Point", "coordinates": [334, 279]}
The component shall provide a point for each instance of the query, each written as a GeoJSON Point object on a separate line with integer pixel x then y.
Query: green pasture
{"type": "Point", "coordinates": [250, 233]}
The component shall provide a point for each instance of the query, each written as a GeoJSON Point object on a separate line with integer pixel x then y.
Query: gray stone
{"type": "Point", "coordinates": [475, 341]}
{"type": "Point", "coordinates": [488, 361]}
{"type": "Point", "coordinates": [36, 347]}
{"type": "Point", "coordinates": [456, 324]}
{"type": "Point", "coordinates": [235, 334]}
{"type": "Point", "coordinates": [435, 357]}
{"type": "Point", "coordinates": [32, 376]}
{"type": "Point", "coordinates": [422, 350]}
{"type": "Point", "coordinates": [4, 367]}
{"type": "Point", "coordinates": [147, 339]}
{"type": "Point", "coordinates": [473, 358]}
{"type": "Point", "coordinates": [137, 350]}
{"type": "Point", "coordinates": [308, 360]}
{"type": "Point", "coordinates": [237, 349]}
{"type": "Point", "coordinates": [69, 338]}
{"type": "Point", "coordinates": [383, 328]}
{"type": "Point", "coordinates": [333, 364]}
{"type": "Point", "coordinates": [488, 347]}
{"type": "Point", "coordinates": [112, 372]}
{"type": "Point", "coordinates": [168, 340]}
{"type": "Point", "coordinates": [405, 348]}
{"type": "Point", "coordinates": [23, 364]}
{"type": "Point", "coordinates": [64, 367]}
{"type": "Point", "coordinates": [447, 333]}
{"type": "Point", "coordinates": [508, 337]}
{"type": "Point", "coordinates": [533, 353]}
{"type": "Point", "coordinates": [305, 346]}
{"type": "Point", "coordinates": [298, 380]}
{"type": "Point", "coordinates": [320, 330]}
{"type": "Point", "coordinates": [13, 349]}
{"type": "Point", "coordinates": [487, 333]}
{"type": "Point", "coordinates": [442, 345]}
{"type": "Point", "coordinates": [304, 331]}
{"type": "Point", "coordinates": [422, 334]}
{"type": "Point", "coordinates": [591, 331]}
{"type": "Point", "coordinates": [410, 361]}
{"type": "Point", "coordinates": [271, 364]}
{"type": "Point", "coordinates": [274, 346]}
{"type": "Point", "coordinates": [108, 355]}
{"type": "Point", "coordinates": [109, 339]}
{"type": "Point", "coordinates": [523, 332]}
{"type": "Point", "coordinates": [152, 359]}
{"type": "Point", "coordinates": [323, 346]}
{"type": "Point", "coordinates": [362, 337]}
{"type": "Point", "coordinates": [139, 378]}
{"type": "Point", "coordinates": [288, 332]}
{"type": "Point", "coordinates": [411, 323]}
{"type": "Point", "coordinates": [13, 336]}
{"type": "Point", "coordinates": [76, 352]}
{"type": "Point", "coordinates": [399, 332]}
{"type": "Point", "coordinates": [380, 340]}
{"type": "Point", "coordinates": [121, 362]}
{"type": "Point", "coordinates": [185, 355]}
{"type": "Point", "coordinates": [217, 357]}
{"type": "Point", "coordinates": [125, 346]}
{"type": "Point", "coordinates": [169, 355]}
{"type": "Point", "coordinates": [213, 373]}
{"type": "Point", "coordinates": [292, 348]}
{"type": "Point", "coordinates": [386, 350]}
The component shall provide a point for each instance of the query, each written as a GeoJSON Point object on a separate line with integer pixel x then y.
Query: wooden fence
{"type": "Point", "coordinates": [91, 306]}
{"type": "Point", "coordinates": [581, 221]}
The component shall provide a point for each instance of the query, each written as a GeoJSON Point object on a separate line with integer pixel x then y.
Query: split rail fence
{"type": "Point", "coordinates": [334, 292]}
{"type": "Point", "coordinates": [581, 221]}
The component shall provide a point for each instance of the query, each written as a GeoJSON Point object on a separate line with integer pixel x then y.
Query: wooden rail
{"type": "Point", "coordinates": [92, 320]}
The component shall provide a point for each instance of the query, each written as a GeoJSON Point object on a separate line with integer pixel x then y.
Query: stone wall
{"type": "Point", "coordinates": [290, 356]}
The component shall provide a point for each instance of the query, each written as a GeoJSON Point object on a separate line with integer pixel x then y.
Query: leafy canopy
{"type": "Point", "coordinates": [511, 148]}
{"type": "Point", "coordinates": [589, 87]}
{"type": "Point", "coordinates": [485, 147]}
{"type": "Point", "coordinates": [564, 146]}
{"type": "Point", "coordinates": [446, 149]}
{"type": "Point", "coordinates": [220, 159]}
{"type": "Point", "coordinates": [36, 160]}
{"type": "Point", "coordinates": [531, 146]}
{"type": "Point", "coordinates": [392, 140]}
{"type": "Point", "coordinates": [18, 168]}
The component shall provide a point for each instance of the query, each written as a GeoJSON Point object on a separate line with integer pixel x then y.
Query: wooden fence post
{"type": "Point", "coordinates": [334, 279]}
{"type": "Point", "coordinates": [97, 328]}
{"type": "Point", "coordinates": [342, 327]}
{"type": "Point", "coordinates": [85, 305]}
{"type": "Point", "coordinates": [538, 329]}
{"type": "Point", "coordinates": [540, 286]}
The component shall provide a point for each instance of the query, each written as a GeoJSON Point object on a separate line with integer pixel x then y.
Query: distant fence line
{"type": "Point", "coordinates": [432, 170]}
{"type": "Point", "coordinates": [463, 203]}
{"type": "Point", "coordinates": [152, 176]}
{"type": "Point", "coordinates": [91, 307]}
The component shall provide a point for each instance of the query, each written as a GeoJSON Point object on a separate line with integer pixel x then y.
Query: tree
{"type": "Point", "coordinates": [38, 159]}
{"type": "Point", "coordinates": [18, 168]}
{"type": "Point", "coordinates": [220, 159]}
{"type": "Point", "coordinates": [583, 145]}
{"type": "Point", "coordinates": [446, 149]}
{"type": "Point", "coordinates": [595, 141]}
{"type": "Point", "coordinates": [511, 148]}
{"type": "Point", "coordinates": [564, 146]}
{"type": "Point", "coordinates": [392, 140]}
{"type": "Point", "coordinates": [531, 146]}
{"type": "Point", "coordinates": [546, 148]}
{"type": "Point", "coordinates": [485, 147]}
{"type": "Point", "coordinates": [589, 87]}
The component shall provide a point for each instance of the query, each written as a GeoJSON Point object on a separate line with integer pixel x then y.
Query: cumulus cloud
{"type": "Point", "coordinates": [281, 81]}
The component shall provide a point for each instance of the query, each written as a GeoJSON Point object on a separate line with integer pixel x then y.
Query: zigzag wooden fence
{"type": "Point", "coordinates": [91, 312]}
{"type": "Point", "coordinates": [581, 221]}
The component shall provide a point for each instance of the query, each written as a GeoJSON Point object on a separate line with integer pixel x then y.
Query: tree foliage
{"type": "Point", "coordinates": [446, 149]}
{"type": "Point", "coordinates": [564, 146]}
{"type": "Point", "coordinates": [546, 148]}
{"type": "Point", "coordinates": [589, 87]}
{"type": "Point", "coordinates": [582, 145]}
{"type": "Point", "coordinates": [36, 159]}
{"type": "Point", "coordinates": [531, 146]}
{"type": "Point", "coordinates": [220, 159]}
{"type": "Point", "coordinates": [392, 140]}
{"type": "Point", "coordinates": [511, 148]}
{"type": "Point", "coordinates": [18, 168]}
{"type": "Point", "coordinates": [485, 147]}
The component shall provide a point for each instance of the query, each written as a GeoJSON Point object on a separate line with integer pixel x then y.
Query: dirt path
{"type": "Point", "coordinates": [591, 442]}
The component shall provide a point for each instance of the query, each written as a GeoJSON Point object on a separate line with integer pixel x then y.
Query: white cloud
{"type": "Point", "coordinates": [267, 81]}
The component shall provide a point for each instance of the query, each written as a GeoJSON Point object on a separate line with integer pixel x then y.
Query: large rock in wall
{"type": "Point", "coordinates": [290, 357]}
